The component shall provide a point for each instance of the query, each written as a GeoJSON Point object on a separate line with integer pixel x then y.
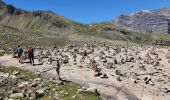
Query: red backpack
{"type": "Point", "coordinates": [30, 50]}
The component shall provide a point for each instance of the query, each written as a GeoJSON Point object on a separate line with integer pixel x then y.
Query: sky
{"type": "Point", "coordinates": [90, 11]}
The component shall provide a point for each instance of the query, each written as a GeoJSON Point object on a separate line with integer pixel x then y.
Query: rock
{"type": "Point", "coordinates": [66, 94]}
{"type": "Point", "coordinates": [118, 72]}
{"type": "Point", "coordinates": [24, 90]}
{"type": "Point", "coordinates": [59, 82]}
{"type": "Point", "coordinates": [104, 76]}
{"type": "Point", "coordinates": [138, 22]}
{"type": "Point", "coordinates": [22, 77]}
{"type": "Point", "coordinates": [109, 65]}
{"type": "Point", "coordinates": [32, 95]}
{"type": "Point", "coordinates": [74, 97]}
{"type": "Point", "coordinates": [40, 93]}
{"type": "Point", "coordinates": [4, 75]}
{"type": "Point", "coordinates": [14, 91]}
{"type": "Point", "coordinates": [65, 61]}
{"type": "Point", "coordinates": [123, 75]}
{"type": "Point", "coordinates": [38, 80]}
{"type": "Point", "coordinates": [92, 89]}
{"type": "Point", "coordinates": [80, 90]}
{"type": "Point", "coordinates": [156, 63]}
{"type": "Point", "coordinates": [80, 66]}
{"type": "Point", "coordinates": [151, 83]}
{"type": "Point", "coordinates": [5, 81]}
{"type": "Point", "coordinates": [84, 88]}
{"type": "Point", "coordinates": [148, 80]}
{"type": "Point", "coordinates": [23, 84]}
{"type": "Point", "coordinates": [13, 76]}
{"type": "Point", "coordinates": [142, 67]}
{"type": "Point", "coordinates": [31, 98]}
{"type": "Point", "coordinates": [167, 56]}
{"type": "Point", "coordinates": [118, 79]}
{"type": "Point", "coordinates": [17, 95]}
{"type": "Point", "coordinates": [54, 89]}
{"type": "Point", "coordinates": [131, 66]}
{"type": "Point", "coordinates": [96, 74]}
{"type": "Point", "coordinates": [38, 74]}
{"type": "Point", "coordinates": [34, 84]}
{"type": "Point", "coordinates": [16, 73]}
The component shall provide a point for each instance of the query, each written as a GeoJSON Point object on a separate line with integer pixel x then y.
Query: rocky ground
{"type": "Point", "coordinates": [117, 72]}
{"type": "Point", "coordinates": [23, 85]}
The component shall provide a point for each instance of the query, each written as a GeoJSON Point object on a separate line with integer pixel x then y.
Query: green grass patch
{"type": "Point", "coordinates": [28, 74]}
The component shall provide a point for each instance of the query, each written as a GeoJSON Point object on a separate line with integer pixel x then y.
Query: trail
{"type": "Point", "coordinates": [108, 88]}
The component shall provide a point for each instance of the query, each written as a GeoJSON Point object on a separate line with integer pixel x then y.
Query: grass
{"type": "Point", "coordinates": [105, 30]}
{"type": "Point", "coordinates": [2, 53]}
{"type": "Point", "coordinates": [11, 38]}
{"type": "Point", "coordinates": [28, 74]}
{"type": "Point", "coordinates": [71, 89]}
{"type": "Point", "coordinates": [65, 91]}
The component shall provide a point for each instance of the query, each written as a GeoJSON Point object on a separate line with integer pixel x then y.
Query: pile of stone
{"type": "Point", "coordinates": [126, 64]}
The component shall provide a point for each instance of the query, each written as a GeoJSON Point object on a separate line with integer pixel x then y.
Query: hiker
{"type": "Point", "coordinates": [19, 52]}
{"type": "Point", "coordinates": [31, 54]}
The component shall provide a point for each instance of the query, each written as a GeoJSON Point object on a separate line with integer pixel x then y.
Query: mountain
{"type": "Point", "coordinates": [47, 29]}
{"type": "Point", "coordinates": [153, 21]}
{"type": "Point", "coordinates": [36, 20]}
{"type": "Point", "coordinates": [51, 27]}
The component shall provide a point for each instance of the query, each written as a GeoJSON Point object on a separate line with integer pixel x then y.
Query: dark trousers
{"type": "Point", "coordinates": [31, 57]}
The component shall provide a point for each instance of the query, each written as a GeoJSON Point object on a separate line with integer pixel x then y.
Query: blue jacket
{"type": "Point", "coordinates": [19, 50]}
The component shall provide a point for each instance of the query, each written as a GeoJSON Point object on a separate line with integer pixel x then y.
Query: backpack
{"type": "Point", "coordinates": [30, 51]}
{"type": "Point", "coordinates": [19, 51]}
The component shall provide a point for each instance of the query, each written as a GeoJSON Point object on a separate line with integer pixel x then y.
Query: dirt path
{"type": "Point", "coordinates": [108, 88]}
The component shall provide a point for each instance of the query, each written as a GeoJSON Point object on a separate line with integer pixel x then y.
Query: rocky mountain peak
{"type": "Point", "coordinates": [149, 21]}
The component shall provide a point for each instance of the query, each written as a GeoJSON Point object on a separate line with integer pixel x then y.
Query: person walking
{"type": "Point", "coordinates": [31, 54]}
{"type": "Point", "coordinates": [19, 52]}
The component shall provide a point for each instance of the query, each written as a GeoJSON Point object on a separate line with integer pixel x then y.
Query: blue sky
{"type": "Point", "coordinates": [89, 11]}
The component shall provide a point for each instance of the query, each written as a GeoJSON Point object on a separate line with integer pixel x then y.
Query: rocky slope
{"type": "Point", "coordinates": [46, 25]}
{"type": "Point", "coordinates": [154, 21]}
{"type": "Point", "coordinates": [118, 71]}
{"type": "Point", "coordinates": [36, 20]}
{"type": "Point", "coordinates": [49, 29]}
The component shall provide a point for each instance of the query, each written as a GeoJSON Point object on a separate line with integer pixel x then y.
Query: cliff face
{"type": "Point", "coordinates": [36, 20]}
{"type": "Point", "coordinates": [154, 21]}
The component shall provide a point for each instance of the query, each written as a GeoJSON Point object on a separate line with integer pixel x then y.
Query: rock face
{"type": "Point", "coordinates": [154, 21]}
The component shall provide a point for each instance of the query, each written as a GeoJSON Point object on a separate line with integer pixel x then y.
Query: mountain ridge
{"type": "Point", "coordinates": [147, 21]}
{"type": "Point", "coordinates": [34, 20]}
{"type": "Point", "coordinates": [45, 28]}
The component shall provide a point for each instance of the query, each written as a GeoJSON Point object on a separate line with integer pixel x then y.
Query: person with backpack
{"type": "Point", "coordinates": [19, 52]}
{"type": "Point", "coordinates": [31, 54]}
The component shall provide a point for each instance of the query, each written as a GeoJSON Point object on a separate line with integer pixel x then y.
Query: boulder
{"type": "Point", "coordinates": [17, 95]}
{"type": "Point", "coordinates": [23, 84]}
{"type": "Point", "coordinates": [40, 93]}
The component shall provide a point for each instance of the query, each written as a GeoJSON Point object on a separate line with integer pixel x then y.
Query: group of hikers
{"type": "Point", "coordinates": [27, 54]}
